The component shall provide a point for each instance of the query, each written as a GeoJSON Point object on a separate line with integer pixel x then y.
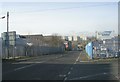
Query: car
{"type": "Point", "coordinates": [111, 55]}
{"type": "Point", "coordinates": [117, 54]}
{"type": "Point", "coordinates": [102, 55]}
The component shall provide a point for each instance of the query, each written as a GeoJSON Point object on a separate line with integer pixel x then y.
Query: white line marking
{"type": "Point", "coordinates": [27, 62]}
{"type": "Point", "coordinates": [23, 67]}
{"type": "Point", "coordinates": [84, 61]}
{"type": "Point", "coordinates": [117, 77]}
{"type": "Point", "coordinates": [75, 62]}
{"type": "Point", "coordinates": [62, 75]}
{"type": "Point", "coordinates": [69, 73]}
{"type": "Point", "coordinates": [77, 59]}
{"type": "Point", "coordinates": [71, 68]}
{"type": "Point", "coordinates": [65, 78]}
{"type": "Point", "coordinates": [104, 73]}
{"type": "Point", "coordinates": [83, 77]}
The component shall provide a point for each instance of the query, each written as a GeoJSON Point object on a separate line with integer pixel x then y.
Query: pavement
{"type": "Point", "coordinates": [73, 65]}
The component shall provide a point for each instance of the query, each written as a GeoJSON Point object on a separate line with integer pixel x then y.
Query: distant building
{"type": "Point", "coordinates": [70, 38]}
{"type": "Point", "coordinates": [75, 38]}
{"type": "Point", "coordinates": [83, 37]}
{"type": "Point", "coordinates": [40, 40]}
{"type": "Point", "coordinates": [78, 39]}
{"type": "Point", "coordinates": [34, 39]}
{"type": "Point", "coordinates": [65, 38]}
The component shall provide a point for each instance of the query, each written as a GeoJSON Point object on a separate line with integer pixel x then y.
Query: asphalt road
{"type": "Point", "coordinates": [73, 65]}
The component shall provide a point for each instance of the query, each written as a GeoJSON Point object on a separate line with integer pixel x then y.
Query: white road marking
{"type": "Point", "coordinates": [77, 59]}
{"type": "Point", "coordinates": [104, 73]}
{"type": "Point", "coordinates": [23, 67]}
{"type": "Point", "coordinates": [75, 62]}
{"type": "Point", "coordinates": [117, 77]}
{"type": "Point", "coordinates": [69, 73]}
{"type": "Point", "coordinates": [71, 68]}
{"type": "Point", "coordinates": [83, 77]}
{"type": "Point", "coordinates": [62, 75]}
{"type": "Point", "coordinates": [65, 79]}
{"type": "Point", "coordinates": [27, 62]}
{"type": "Point", "coordinates": [84, 61]}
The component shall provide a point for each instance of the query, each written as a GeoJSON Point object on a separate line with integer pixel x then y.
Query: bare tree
{"type": "Point", "coordinates": [56, 40]}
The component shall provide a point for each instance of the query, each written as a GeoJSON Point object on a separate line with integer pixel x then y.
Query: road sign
{"type": "Point", "coordinates": [11, 39]}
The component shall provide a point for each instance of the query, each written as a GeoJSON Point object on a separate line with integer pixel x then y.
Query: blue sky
{"type": "Point", "coordinates": [60, 17]}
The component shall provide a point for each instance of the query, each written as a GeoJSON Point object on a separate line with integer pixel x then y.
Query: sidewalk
{"type": "Point", "coordinates": [18, 59]}
{"type": "Point", "coordinates": [83, 56]}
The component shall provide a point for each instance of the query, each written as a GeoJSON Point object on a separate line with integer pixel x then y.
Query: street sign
{"type": "Point", "coordinates": [11, 39]}
{"type": "Point", "coordinates": [11, 42]}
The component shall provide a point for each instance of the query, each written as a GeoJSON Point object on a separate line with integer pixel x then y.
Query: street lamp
{"type": "Point", "coordinates": [7, 37]}
{"type": "Point", "coordinates": [7, 34]}
{"type": "Point", "coordinates": [28, 47]}
{"type": "Point", "coordinates": [2, 17]}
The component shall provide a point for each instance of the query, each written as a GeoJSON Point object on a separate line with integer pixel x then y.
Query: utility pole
{"type": "Point", "coordinates": [7, 34]}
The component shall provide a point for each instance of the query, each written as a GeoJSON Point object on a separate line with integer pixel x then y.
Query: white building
{"type": "Point", "coordinates": [70, 38]}
{"type": "Point", "coordinates": [83, 37]}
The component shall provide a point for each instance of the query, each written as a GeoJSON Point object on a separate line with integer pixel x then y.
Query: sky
{"type": "Point", "coordinates": [63, 18]}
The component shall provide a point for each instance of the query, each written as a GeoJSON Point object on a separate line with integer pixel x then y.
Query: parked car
{"type": "Point", "coordinates": [117, 54]}
{"type": "Point", "coordinates": [102, 55]}
{"type": "Point", "coordinates": [111, 55]}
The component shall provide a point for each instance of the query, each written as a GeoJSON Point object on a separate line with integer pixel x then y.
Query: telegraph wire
{"type": "Point", "coordinates": [55, 9]}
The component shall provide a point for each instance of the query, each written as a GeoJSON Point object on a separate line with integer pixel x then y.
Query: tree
{"type": "Point", "coordinates": [56, 40]}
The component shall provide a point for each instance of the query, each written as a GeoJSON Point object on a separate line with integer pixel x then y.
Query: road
{"type": "Point", "coordinates": [73, 65]}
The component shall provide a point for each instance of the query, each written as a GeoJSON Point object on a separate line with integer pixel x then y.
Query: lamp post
{"type": "Point", "coordinates": [7, 34]}
{"type": "Point", "coordinates": [7, 37]}
{"type": "Point", "coordinates": [2, 17]}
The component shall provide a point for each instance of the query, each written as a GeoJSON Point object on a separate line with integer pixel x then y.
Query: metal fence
{"type": "Point", "coordinates": [18, 51]}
